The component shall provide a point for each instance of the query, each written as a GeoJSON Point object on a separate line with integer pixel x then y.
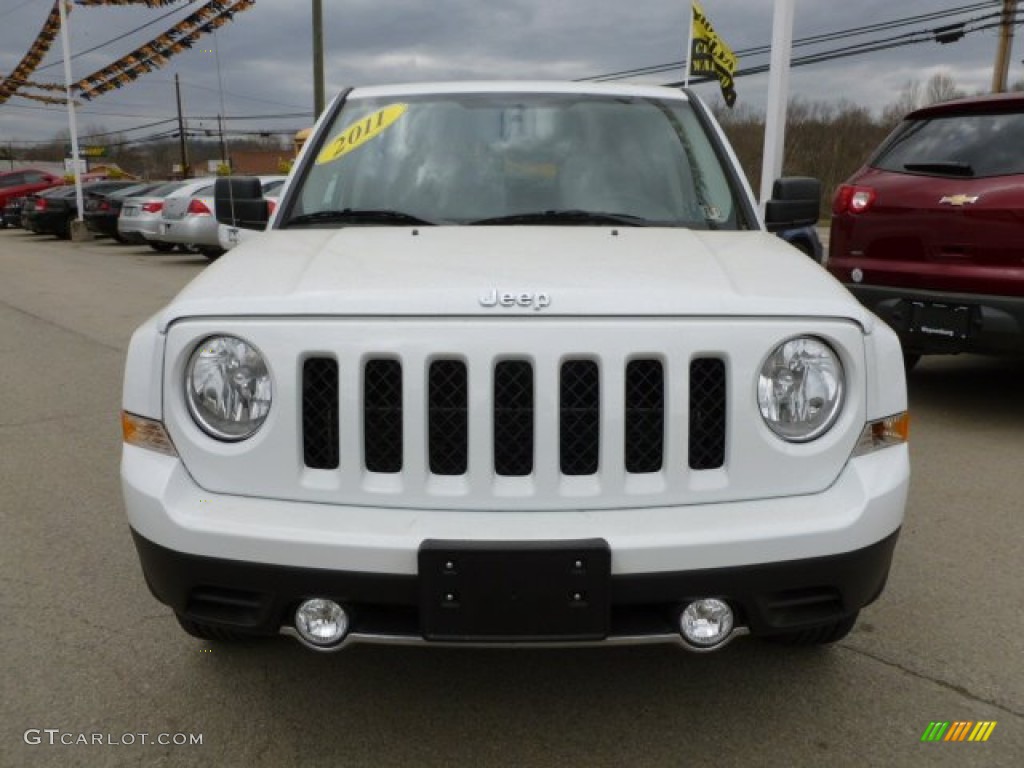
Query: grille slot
{"type": "Point", "coordinates": [707, 413]}
{"type": "Point", "coordinates": [513, 418]}
{"type": "Point", "coordinates": [579, 417]}
{"type": "Point", "coordinates": [382, 416]}
{"type": "Point", "coordinates": [448, 418]}
{"type": "Point", "coordinates": [320, 413]}
{"type": "Point", "coordinates": [645, 416]}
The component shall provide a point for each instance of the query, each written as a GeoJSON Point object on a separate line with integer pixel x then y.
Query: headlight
{"type": "Point", "coordinates": [227, 386]}
{"type": "Point", "coordinates": [800, 389]}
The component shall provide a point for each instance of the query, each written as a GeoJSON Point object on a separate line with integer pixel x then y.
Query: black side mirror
{"type": "Point", "coordinates": [239, 202]}
{"type": "Point", "coordinates": [796, 202]}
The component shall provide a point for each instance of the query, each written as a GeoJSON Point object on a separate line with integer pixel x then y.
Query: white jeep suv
{"type": "Point", "coordinates": [515, 363]}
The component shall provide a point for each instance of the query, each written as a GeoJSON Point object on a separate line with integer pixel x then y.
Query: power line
{"type": "Point", "coordinates": [118, 38]}
{"type": "Point", "coordinates": [16, 8]}
{"type": "Point", "coordinates": [806, 41]}
{"type": "Point", "coordinates": [857, 50]}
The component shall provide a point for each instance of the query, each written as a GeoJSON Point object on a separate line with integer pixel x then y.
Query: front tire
{"type": "Point", "coordinates": [212, 253]}
{"type": "Point", "coordinates": [821, 635]}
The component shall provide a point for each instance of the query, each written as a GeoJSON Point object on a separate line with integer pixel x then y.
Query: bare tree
{"type": "Point", "coordinates": [941, 87]}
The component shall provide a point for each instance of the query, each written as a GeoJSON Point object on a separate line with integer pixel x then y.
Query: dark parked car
{"type": "Point", "coordinates": [24, 182]}
{"type": "Point", "coordinates": [929, 234]}
{"type": "Point", "coordinates": [102, 209]}
{"type": "Point", "coordinates": [12, 211]}
{"type": "Point", "coordinates": [805, 239]}
{"type": "Point", "coordinates": [53, 211]}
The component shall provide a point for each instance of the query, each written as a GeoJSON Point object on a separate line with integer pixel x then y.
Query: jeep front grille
{"type": "Point", "coordinates": [513, 418]}
{"type": "Point", "coordinates": [645, 416]}
{"type": "Point", "coordinates": [382, 416]}
{"type": "Point", "coordinates": [448, 416]}
{"type": "Point", "coordinates": [320, 448]}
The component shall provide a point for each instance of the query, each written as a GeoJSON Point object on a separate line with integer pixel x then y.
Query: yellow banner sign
{"type": "Point", "coordinates": [710, 56]}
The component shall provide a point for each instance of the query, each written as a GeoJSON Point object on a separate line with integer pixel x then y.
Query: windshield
{"type": "Point", "coordinates": [516, 158]}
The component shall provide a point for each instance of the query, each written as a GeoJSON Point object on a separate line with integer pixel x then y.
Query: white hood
{"type": "Point", "coordinates": [576, 271]}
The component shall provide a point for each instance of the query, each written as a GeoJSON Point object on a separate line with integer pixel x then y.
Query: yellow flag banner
{"type": "Point", "coordinates": [710, 56]}
{"type": "Point", "coordinates": [154, 54]}
{"type": "Point", "coordinates": [38, 51]}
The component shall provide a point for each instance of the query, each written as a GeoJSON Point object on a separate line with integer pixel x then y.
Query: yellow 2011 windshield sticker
{"type": "Point", "coordinates": [359, 133]}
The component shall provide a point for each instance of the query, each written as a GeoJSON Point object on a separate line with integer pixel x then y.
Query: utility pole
{"type": "Point", "coordinates": [223, 145]}
{"type": "Point", "coordinates": [1002, 66]}
{"type": "Point", "coordinates": [318, 58]}
{"type": "Point", "coordinates": [181, 130]}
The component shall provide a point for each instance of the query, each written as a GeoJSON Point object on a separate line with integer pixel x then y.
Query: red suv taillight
{"type": "Point", "coordinates": [153, 207]}
{"type": "Point", "coordinates": [853, 199]}
{"type": "Point", "coordinates": [41, 204]}
{"type": "Point", "coordinates": [271, 205]}
{"type": "Point", "coordinates": [198, 208]}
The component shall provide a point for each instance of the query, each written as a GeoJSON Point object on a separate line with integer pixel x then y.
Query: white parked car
{"type": "Point", "coordinates": [516, 363]}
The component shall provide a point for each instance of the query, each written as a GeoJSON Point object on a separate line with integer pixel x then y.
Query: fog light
{"type": "Point", "coordinates": [321, 622]}
{"type": "Point", "coordinates": [706, 623]}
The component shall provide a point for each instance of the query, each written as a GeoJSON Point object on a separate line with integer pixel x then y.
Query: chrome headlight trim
{"type": "Point", "coordinates": [801, 389]}
{"type": "Point", "coordinates": [228, 387]}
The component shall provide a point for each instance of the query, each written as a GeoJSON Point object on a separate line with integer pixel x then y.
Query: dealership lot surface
{"type": "Point", "coordinates": [86, 650]}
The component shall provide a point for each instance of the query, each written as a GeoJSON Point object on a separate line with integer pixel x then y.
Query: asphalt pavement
{"type": "Point", "coordinates": [87, 654]}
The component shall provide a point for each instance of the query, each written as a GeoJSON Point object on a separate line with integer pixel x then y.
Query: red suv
{"type": "Point", "coordinates": [24, 182]}
{"type": "Point", "coordinates": [929, 234]}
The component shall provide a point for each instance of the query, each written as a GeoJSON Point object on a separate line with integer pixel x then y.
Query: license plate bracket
{"type": "Point", "coordinates": [949, 323]}
{"type": "Point", "coordinates": [514, 591]}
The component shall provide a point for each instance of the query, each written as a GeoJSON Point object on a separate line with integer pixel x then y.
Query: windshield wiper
{"type": "Point", "coordinates": [357, 216]}
{"type": "Point", "coordinates": [950, 167]}
{"type": "Point", "coordinates": [566, 217]}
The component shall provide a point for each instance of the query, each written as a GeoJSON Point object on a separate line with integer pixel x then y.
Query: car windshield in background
{"type": "Point", "coordinates": [547, 159]}
{"type": "Point", "coordinates": [965, 146]}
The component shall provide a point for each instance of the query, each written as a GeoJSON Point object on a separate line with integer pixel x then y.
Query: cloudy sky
{"type": "Point", "coordinates": [265, 61]}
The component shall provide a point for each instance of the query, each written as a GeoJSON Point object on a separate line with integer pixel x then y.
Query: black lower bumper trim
{"type": "Point", "coordinates": [769, 598]}
{"type": "Point", "coordinates": [995, 324]}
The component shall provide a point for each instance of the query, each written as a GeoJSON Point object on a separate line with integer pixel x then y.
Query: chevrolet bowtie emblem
{"type": "Point", "coordinates": [958, 200]}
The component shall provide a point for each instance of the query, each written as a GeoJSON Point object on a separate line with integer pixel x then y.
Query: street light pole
{"type": "Point", "coordinates": [318, 58]}
{"type": "Point", "coordinates": [65, 40]}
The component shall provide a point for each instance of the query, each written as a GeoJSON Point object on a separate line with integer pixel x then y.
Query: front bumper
{"type": "Point", "coordinates": [784, 564]}
{"type": "Point", "coordinates": [995, 323]}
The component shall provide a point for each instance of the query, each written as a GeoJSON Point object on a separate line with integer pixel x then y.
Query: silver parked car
{"type": "Point", "coordinates": [139, 221]}
{"type": "Point", "coordinates": [189, 220]}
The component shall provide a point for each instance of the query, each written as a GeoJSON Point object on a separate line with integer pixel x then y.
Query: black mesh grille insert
{"type": "Point", "coordinates": [707, 413]}
{"type": "Point", "coordinates": [448, 436]}
{"type": "Point", "coordinates": [645, 415]}
{"type": "Point", "coordinates": [320, 413]}
{"type": "Point", "coordinates": [579, 420]}
{"type": "Point", "coordinates": [513, 418]}
{"type": "Point", "coordinates": [382, 415]}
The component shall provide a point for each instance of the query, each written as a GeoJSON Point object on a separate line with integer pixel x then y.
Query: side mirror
{"type": "Point", "coordinates": [238, 202]}
{"type": "Point", "coordinates": [796, 202]}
